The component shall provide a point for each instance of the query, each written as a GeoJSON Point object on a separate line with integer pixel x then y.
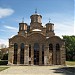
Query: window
{"type": "Point", "coordinates": [42, 54]}
{"type": "Point", "coordinates": [29, 50]}
{"type": "Point", "coordinates": [15, 53]}
{"type": "Point", "coordinates": [57, 47]}
{"type": "Point", "coordinates": [50, 47]}
{"type": "Point", "coordinates": [22, 54]}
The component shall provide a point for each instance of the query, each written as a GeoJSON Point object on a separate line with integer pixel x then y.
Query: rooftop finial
{"type": "Point", "coordinates": [23, 20]}
{"type": "Point", "coordinates": [49, 20]}
{"type": "Point", "coordinates": [36, 11]}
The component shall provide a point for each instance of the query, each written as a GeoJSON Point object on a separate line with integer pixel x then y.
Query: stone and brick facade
{"type": "Point", "coordinates": [36, 45]}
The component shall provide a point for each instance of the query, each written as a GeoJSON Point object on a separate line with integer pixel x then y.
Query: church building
{"type": "Point", "coordinates": [36, 44]}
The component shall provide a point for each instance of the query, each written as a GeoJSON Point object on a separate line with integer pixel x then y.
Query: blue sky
{"type": "Point", "coordinates": [61, 13]}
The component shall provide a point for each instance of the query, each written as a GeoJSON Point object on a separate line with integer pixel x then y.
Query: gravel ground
{"type": "Point", "coordinates": [38, 70]}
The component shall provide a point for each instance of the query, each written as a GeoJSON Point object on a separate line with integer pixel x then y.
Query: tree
{"type": "Point", "coordinates": [70, 47]}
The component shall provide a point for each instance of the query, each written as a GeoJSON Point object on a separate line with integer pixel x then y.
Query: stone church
{"type": "Point", "coordinates": [36, 44]}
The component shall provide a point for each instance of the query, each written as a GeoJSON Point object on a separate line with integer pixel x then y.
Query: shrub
{"type": "Point", "coordinates": [3, 62]}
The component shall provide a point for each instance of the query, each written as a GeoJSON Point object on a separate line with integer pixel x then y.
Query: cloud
{"type": "Point", "coordinates": [4, 41]}
{"type": "Point", "coordinates": [63, 29]}
{"type": "Point", "coordinates": [4, 12]}
{"type": "Point", "coordinates": [11, 28]}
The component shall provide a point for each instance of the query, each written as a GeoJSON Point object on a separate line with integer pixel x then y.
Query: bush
{"type": "Point", "coordinates": [3, 62]}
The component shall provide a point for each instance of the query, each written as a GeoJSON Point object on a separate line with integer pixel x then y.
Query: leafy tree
{"type": "Point", "coordinates": [70, 47]}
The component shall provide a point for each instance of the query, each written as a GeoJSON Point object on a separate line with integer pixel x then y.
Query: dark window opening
{"type": "Point", "coordinates": [42, 54]}
{"type": "Point", "coordinates": [50, 47]}
{"type": "Point", "coordinates": [22, 54]}
{"type": "Point", "coordinates": [15, 53]}
{"type": "Point", "coordinates": [36, 54]}
{"type": "Point", "coordinates": [29, 50]}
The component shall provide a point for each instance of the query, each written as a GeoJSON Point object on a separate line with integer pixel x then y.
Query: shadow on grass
{"type": "Point", "coordinates": [3, 68]}
{"type": "Point", "coordinates": [65, 70]}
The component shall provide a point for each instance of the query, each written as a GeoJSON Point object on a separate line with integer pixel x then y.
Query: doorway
{"type": "Point", "coordinates": [36, 54]}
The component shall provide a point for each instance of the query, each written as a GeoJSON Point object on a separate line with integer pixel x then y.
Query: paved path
{"type": "Point", "coordinates": [35, 70]}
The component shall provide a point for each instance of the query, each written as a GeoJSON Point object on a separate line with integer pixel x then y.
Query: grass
{"type": "Point", "coordinates": [3, 68]}
{"type": "Point", "coordinates": [71, 63]}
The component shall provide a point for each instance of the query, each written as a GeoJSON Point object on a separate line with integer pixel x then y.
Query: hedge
{"type": "Point", "coordinates": [3, 62]}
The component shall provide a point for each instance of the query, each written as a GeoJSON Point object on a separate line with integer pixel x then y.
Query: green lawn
{"type": "Point", "coordinates": [3, 68]}
{"type": "Point", "coordinates": [71, 63]}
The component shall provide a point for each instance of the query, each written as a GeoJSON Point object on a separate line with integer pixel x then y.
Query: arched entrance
{"type": "Point", "coordinates": [36, 54]}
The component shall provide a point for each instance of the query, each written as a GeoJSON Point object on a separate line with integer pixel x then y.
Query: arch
{"type": "Point", "coordinates": [15, 53]}
{"type": "Point", "coordinates": [36, 54]}
{"type": "Point", "coordinates": [51, 53]}
{"type": "Point", "coordinates": [39, 38]}
{"type": "Point", "coordinates": [57, 54]}
{"type": "Point", "coordinates": [22, 53]}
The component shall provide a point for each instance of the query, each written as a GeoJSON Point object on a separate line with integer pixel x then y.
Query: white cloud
{"type": "Point", "coordinates": [63, 29]}
{"type": "Point", "coordinates": [11, 28]}
{"type": "Point", "coordinates": [4, 12]}
{"type": "Point", "coordinates": [4, 41]}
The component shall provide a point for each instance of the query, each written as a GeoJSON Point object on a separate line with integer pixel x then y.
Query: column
{"type": "Point", "coordinates": [32, 54]}
{"type": "Point", "coordinates": [26, 56]}
{"type": "Point", "coordinates": [11, 55]}
{"type": "Point", "coordinates": [63, 55]}
{"type": "Point", "coordinates": [18, 55]}
{"type": "Point", "coordinates": [46, 55]}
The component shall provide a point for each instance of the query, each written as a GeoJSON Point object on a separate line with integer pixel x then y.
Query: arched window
{"type": "Point", "coordinates": [22, 54]}
{"type": "Point", "coordinates": [57, 54]}
{"type": "Point", "coordinates": [51, 53]}
{"type": "Point", "coordinates": [15, 53]}
{"type": "Point", "coordinates": [50, 47]}
{"type": "Point", "coordinates": [57, 47]}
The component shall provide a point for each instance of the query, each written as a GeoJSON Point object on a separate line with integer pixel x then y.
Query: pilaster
{"type": "Point", "coordinates": [11, 55]}
{"type": "Point", "coordinates": [46, 55]}
{"type": "Point", "coordinates": [26, 56]}
{"type": "Point", "coordinates": [32, 55]}
{"type": "Point", "coordinates": [18, 56]}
